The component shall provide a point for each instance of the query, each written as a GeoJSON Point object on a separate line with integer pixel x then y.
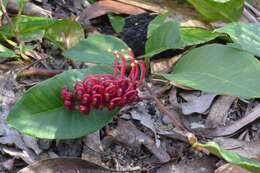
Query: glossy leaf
{"type": "Point", "coordinates": [6, 53]}
{"type": "Point", "coordinates": [219, 69]}
{"type": "Point", "coordinates": [168, 35]}
{"type": "Point", "coordinates": [40, 112]}
{"type": "Point", "coordinates": [94, 49]}
{"type": "Point", "coordinates": [117, 22]}
{"type": "Point", "coordinates": [245, 35]}
{"type": "Point", "coordinates": [157, 22]}
{"type": "Point", "coordinates": [215, 10]}
{"type": "Point", "coordinates": [65, 33]}
{"type": "Point", "coordinates": [193, 35]}
{"type": "Point", "coordinates": [231, 157]}
{"type": "Point", "coordinates": [30, 28]}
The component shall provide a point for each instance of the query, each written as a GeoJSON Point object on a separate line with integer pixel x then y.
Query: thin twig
{"type": "Point", "coordinates": [252, 9]}
{"type": "Point", "coordinates": [249, 16]}
{"type": "Point", "coordinates": [13, 28]}
{"type": "Point", "coordinates": [173, 117]}
{"type": "Point", "coordinates": [167, 112]}
{"type": "Point", "coordinates": [39, 72]}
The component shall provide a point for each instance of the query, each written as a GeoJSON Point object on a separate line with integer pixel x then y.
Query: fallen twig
{"type": "Point", "coordinates": [253, 9]}
{"type": "Point", "coordinates": [172, 116]}
{"type": "Point", "coordinates": [167, 112]}
{"type": "Point", "coordinates": [38, 72]}
{"type": "Point", "coordinates": [249, 16]}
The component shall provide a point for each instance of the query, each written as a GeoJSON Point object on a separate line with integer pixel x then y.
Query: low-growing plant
{"type": "Point", "coordinates": [81, 101]}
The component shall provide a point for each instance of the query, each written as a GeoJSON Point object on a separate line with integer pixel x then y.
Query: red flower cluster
{"type": "Point", "coordinates": [107, 90]}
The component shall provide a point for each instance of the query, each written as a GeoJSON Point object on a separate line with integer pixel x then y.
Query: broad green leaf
{"type": "Point", "coordinates": [157, 22]}
{"type": "Point", "coordinates": [219, 69]}
{"type": "Point", "coordinates": [167, 36]}
{"type": "Point", "coordinates": [40, 112]}
{"type": "Point", "coordinates": [231, 157]}
{"type": "Point", "coordinates": [117, 22]}
{"type": "Point", "coordinates": [30, 28]}
{"type": "Point", "coordinates": [65, 33]}
{"type": "Point", "coordinates": [6, 53]}
{"type": "Point", "coordinates": [94, 49]}
{"type": "Point", "coordinates": [245, 35]}
{"type": "Point", "coordinates": [192, 35]}
{"type": "Point", "coordinates": [215, 10]}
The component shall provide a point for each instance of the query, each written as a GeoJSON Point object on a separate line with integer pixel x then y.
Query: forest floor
{"type": "Point", "coordinates": [141, 138]}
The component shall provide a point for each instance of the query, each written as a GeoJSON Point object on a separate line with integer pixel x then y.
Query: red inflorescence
{"type": "Point", "coordinates": [107, 90]}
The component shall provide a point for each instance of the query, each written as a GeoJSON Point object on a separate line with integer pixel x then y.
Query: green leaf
{"type": "Point", "coordinates": [30, 28]}
{"type": "Point", "coordinates": [231, 157]}
{"type": "Point", "coordinates": [92, 1]}
{"type": "Point", "coordinates": [94, 49]}
{"type": "Point", "coordinates": [40, 112]}
{"type": "Point", "coordinates": [117, 22]}
{"type": "Point", "coordinates": [6, 53]}
{"type": "Point", "coordinates": [156, 23]}
{"type": "Point", "coordinates": [65, 33]}
{"type": "Point", "coordinates": [245, 35]}
{"type": "Point", "coordinates": [167, 36]}
{"type": "Point", "coordinates": [193, 35]}
{"type": "Point", "coordinates": [215, 10]}
{"type": "Point", "coordinates": [219, 69]}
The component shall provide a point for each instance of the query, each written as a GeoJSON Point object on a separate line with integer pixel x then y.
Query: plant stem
{"type": "Point", "coordinates": [172, 116]}
{"type": "Point", "coordinates": [164, 110]}
{"type": "Point", "coordinates": [13, 28]}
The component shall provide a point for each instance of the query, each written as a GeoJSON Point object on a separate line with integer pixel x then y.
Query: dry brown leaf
{"type": "Point", "coordinates": [92, 148]}
{"type": "Point", "coordinates": [163, 65]}
{"type": "Point", "coordinates": [198, 165]}
{"type": "Point", "coordinates": [30, 9]}
{"type": "Point", "coordinates": [230, 168]}
{"type": "Point", "coordinates": [103, 7]}
{"type": "Point", "coordinates": [8, 164]}
{"type": "Point", "coordinates": [198, 104]}
{"type": "Point", "coordinates": [233, 128]}
{"type": "Point", "coordinates": [162, 6]}
{"type": "Point", "coordinates": [128, 134]}
{"type": "Point", "coordinates": [243, 148]}
{"type": "Point", "coordinates": [64, 165]}
{"type": "Point", "coordinates": [219, 110]}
